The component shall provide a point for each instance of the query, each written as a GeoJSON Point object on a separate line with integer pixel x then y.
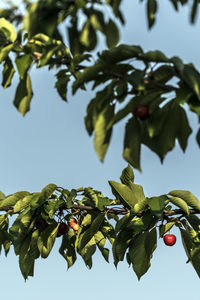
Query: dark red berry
{"type": "Point", "coordinates": [62, 229]}
{"type": "Point", "coordinates": [142, 112]}
{"type": "Point", "coordinates": [41, 224]}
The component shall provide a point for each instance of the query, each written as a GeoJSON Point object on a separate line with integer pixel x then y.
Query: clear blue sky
{"type": "Point", "coordinates": [50, 145]}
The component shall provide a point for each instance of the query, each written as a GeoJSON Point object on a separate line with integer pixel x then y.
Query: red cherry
{"type": "Point", "coordinates": [169, 239]}
{"type": "Point", "coordinates": [72, 221]}
{"type": "Point", "coordinates": [142, 112]}
{"type": "Point", "coordinates": [75, 226]}
{"type": "Point", "coordinates": [62, 229]}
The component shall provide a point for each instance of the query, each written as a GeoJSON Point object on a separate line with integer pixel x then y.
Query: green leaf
{"type": "Point", "coordinates": [157, 122]}
{"type": "Point", "coordinates": [157, 205]}
{"type": "Point", "coordinates": [46, 240]}
{"type": "Point", "coordinates": [88, 251]}
{"type": "Point", "coordinates": [196, 259]}
{"type": "Point", "coordinates": [2, 196]}
{"type": "Point", "coordinates": [122, 113]}
{"type": "Point", "coordinates": [87, 75]}
{"type": "Point", "coordinates": [25, 263]}
{"type": "Point", "coordinates": [133, 195]}
{"type": "Point", "coordinates": [11, 200]}
{"type": "Point", "coordinates": [4, 51]}
{"type": "Point", "coordinates": [3, 222]}
{"type": "Point", "coordinates": [193, 234]}
{"type": "Point", "coordinates": [175, 4]}
{"type": "Point", "coordinates": [67, 248]}
{"type": "Point", "coordinates": [151, 12]}
{"type": "Point", "coordinates": [194, 11]}
{"type": "Point", "coordinates": [187, 242]}
{"type": "Point", "coordinates": [140, 206]}
{"type": "Point", "coordinates": [97, 21]}
{"type": "Point", "coordinates": [100, 242]}
{"type": "Point", "coordinates": [136, 79]}
{"type": "Point", "coordinates": [8, 29]}
{"type": "Point", "coordinates": [23, 95]}
{"type": "Point", "coordinates": [128, 227]}
{"type": "Point", "coordinates": [188, 197]}
{"type": "Point", "coordinates": [184, 129]}
{"type": "Point", "coordinates": [123, 222]}
{"type": "Point", "coordinates": [154, 56]}
{"type": "Point", "coordinates": [132, 143]}
{"type": "Point", "coordinates": [102, 134]}
{"type": "Point", "coordinates": [108, 231]}
{"type": "Point", "coordinates": [28, 253]}
{"type": "Point", "coordinates": [124, 193]}
{"type": "Point", "coordinates": [21, 227]}
{"type": "Point", "coordinates": [194, 221]}
{"type": "Point", "coordinates": [24, 202]}
{"type": "Point", "coordinates": [42, 38]}
{"type": "Point", "coordinates": [163, 73]}
{"type": "Point", "coordinates": [23, 63]}
{"type": "Point", "coordinates": [144, 223]}
{"type": "Point", "coordinates": [127, 175]}
{"type": "Point", "coordinates": [194, 105]}
{"type": "Point", "coordinates": [37, 20]}
{"type": "Point", "coordinates": [141, 251]}
{"type": "Point", "coordinates": [61, 83]}
{"type": "Point", "coordinates": [98, 105]}
{"type": "Point", "coordinates": [121, 244]}
{"type": "Point", "coordinates": [8, 72]}
{"type": "Point", "coordinates": [180, 203]}
{"type": "Point", "coordinates": [45, 194]}
{"type": "Point", "coordinates": [4, 235]}
{"type": "Point", "coordinates": [7, 243]}
{"type": "Point", "coordinates": [70, 197]}
{"type": "Point", "coordinates": [120, 53]}
{"type": "Point", "coordinates": [75, 46]}
{"type": "Point", "coordinates": [183, 94]}
{"type": "Point", "coordinates": [47, 54]}
{"type": "Point", "coordinates": [178, 64]}
{"type": "Point", "coordinates": [90, 232]}
{"type": "Point", "coordinates": [88, 36]}
{"type": "Point", "coordinates": [87, 220]}
{"type": "Point", "coordinates": [121, 90]}
{"type": "Point", "coordinates": [165, 228]}
{"type": "Point", "coordinates": [192, 78]}
{"type": "Point", "coordinates": [95, 199]}
{"type": "Point", "coordinates": [112, 34]}
{"type": "Point", "coordinates": [165, 126]}
{"type": "Point", "coordinates": [192, 251]}
{"type": "Point", "coordinates": [91, 197]}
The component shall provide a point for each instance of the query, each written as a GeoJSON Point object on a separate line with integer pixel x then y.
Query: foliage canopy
{"type": "Point", "coordinates": [165, 85]}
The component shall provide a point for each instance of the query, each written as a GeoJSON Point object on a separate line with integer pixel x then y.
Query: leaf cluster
{"type": "Point", "coordinates": [127, 224]}
{"type": "Point", "coordinates": [167, 86]}
{"type": "Point", "coordinates": [131, 223]}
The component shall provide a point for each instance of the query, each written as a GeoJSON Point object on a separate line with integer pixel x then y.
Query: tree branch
{"type": "Point", "coordinates": [124, 211]}
{"type": "Point", "coordinates": [120, 210]}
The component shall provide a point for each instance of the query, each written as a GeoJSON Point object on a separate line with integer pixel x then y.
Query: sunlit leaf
{"type": "Point", "coordinates": [23, 95]}
{"type": "Point", "coordinates": [112, 34]}
{"type": "Point", "coordinates": [141, 251]}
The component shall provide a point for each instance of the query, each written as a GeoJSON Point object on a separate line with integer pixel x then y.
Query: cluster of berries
{"type": "Point", "coordinates": [63, 228]}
